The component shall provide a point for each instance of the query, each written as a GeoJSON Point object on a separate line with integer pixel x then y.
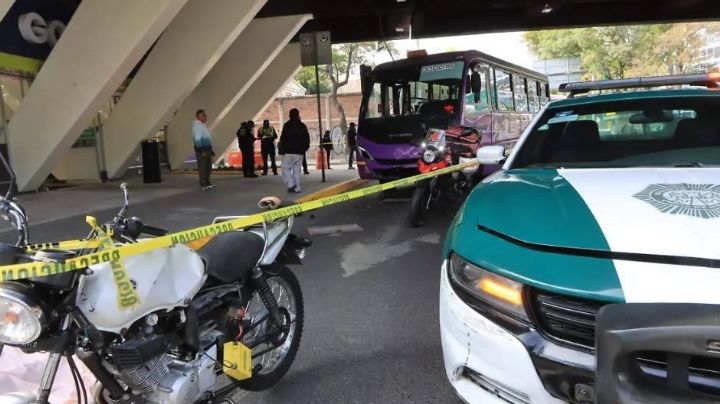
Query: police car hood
{"type": "Point", "coordinates": [642, 214]}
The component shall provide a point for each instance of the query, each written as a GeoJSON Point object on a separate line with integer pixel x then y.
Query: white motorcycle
{"type": "Point", "coordinates": [169, 348]}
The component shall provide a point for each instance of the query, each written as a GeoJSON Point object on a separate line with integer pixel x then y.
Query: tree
{"type": "Point", "coordinates": [306, 77]}
{"type": "Point", "coordinates": [344, 58]}
{"type": "Point", "coordinates": [623, 51]}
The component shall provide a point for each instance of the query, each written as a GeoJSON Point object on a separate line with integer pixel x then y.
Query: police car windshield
{"type": "Point", "coordinates": [674, 132]}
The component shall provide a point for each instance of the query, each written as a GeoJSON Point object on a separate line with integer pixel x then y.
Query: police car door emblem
{"type": "Point", "coordinates": [695, 200]}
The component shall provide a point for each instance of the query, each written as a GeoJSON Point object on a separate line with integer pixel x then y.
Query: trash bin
{"type": "Point", "coordinates": [151, 161]}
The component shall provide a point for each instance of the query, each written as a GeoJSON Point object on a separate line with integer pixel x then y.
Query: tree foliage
{"type": "Point", "coordinates": [345, 59]}
{"type": "Point", "coordinates": [624, 51]}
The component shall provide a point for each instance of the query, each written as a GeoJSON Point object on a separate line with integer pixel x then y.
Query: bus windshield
{"type": "Point", "coordinates": [414, 90]}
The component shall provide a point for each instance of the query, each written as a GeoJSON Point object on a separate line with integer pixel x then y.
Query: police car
{"type": "Point", "coordinates": [607, 199]}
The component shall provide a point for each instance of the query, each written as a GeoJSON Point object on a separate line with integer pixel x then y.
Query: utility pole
{"type": "Point", "coordinates": [320, 132]}
{"type": "Point", "coordinates": [315, 50]}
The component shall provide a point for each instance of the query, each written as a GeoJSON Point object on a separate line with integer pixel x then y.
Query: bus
{"type": "Point", "coordinates": [460, 91]}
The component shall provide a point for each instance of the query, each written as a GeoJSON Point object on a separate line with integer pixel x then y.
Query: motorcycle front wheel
{"type": "Point", "coordinates": [418, 205]}
{"type": "Point", "coordinates": [275, 362]}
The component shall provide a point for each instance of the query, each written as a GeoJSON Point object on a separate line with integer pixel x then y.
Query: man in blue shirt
{"type": "Point", "coordinates": [203, 149]}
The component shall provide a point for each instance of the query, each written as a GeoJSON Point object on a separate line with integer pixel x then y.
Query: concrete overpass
{"type": "Point", "coordinates": [232, 56]}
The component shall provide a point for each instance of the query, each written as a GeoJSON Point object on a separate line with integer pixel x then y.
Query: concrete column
{"type": "Point", "coordinates": [259, 95]}
{"type": "Point", "coordinates": [192, 44]}
{"type": "Point", "coordinates": [4, 7]}
{"type": "Point", "coordinates": [102, 43]}
{"type": "Point", "coordinates": [252, 52]}
{"type": "Point", "coordinates": [281, 110]}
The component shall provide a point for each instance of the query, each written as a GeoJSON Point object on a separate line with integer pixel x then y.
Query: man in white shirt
{"type": "Point", "coordinates": [203, 149]}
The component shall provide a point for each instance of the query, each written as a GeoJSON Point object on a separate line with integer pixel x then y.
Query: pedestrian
{"type": "Point", "coordinates": [246, 143]}
{"type": "Point", "coordinates": [294, 142]}
{"type": "Point", "coordinates": [203, 149]}
{"type": "Point", "coordinates": [352, 144]}
{"type": "Point", "coordinates": [267, 136]}
{"type": "Point", "coordinates": [327, 146]}
{"type": "Point", "coordinates": [304, 165]}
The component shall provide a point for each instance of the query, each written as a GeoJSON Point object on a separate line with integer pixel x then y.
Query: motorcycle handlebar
{"type": "Point", "coordinates": [154, 231]}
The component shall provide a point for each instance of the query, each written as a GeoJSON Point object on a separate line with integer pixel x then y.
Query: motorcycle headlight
{"type": "Point", "coordinates": [429, 156]}
{"type": "Point", "coordinates": [20, 318]}
{"type": "Point", "coordinates": [500, 293]}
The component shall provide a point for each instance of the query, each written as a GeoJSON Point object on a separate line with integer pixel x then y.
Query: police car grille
{"type": "Point", "coordinates": [566, 319]}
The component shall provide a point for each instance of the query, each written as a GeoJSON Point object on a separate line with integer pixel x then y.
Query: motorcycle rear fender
{"type": "Point", "coordinates": [277, 233]}
{"type": "Point", "coordinates": [289, 253]}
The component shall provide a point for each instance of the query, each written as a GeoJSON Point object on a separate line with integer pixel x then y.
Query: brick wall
{"type": "Point", "coordinates": [277, 112]}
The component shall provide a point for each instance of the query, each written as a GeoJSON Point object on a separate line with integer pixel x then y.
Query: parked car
{"type": "Point", "coordinates": [609, 199]}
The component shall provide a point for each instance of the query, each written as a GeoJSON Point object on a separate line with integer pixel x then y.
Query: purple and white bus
{"type": "Point", "coordinates": [455, 91]}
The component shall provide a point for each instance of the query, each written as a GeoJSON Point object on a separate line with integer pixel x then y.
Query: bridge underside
{"type": "Point", "coordinates": [392, 19]}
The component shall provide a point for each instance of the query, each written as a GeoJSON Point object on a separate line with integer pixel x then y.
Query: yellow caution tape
{"type": "Point", "coordinates": [65, 245]}
{"type": "Point", "coordinates": [126, 294]}
{"type": "Point", "coordinates": [199, 234]}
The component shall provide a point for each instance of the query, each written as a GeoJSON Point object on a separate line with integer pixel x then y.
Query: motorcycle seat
{"type": "Point", "coordinates": [231, 256]}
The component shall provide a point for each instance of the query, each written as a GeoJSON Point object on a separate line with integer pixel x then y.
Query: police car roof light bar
{"type": "Point", "coordinates": [709, 80]}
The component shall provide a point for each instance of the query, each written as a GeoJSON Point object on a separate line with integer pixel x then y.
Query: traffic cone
{"type": "Point", "coordinates": [320, 159]}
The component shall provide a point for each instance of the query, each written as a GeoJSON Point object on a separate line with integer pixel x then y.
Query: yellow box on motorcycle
{"type": "Point", "coordinates": [237, 360]}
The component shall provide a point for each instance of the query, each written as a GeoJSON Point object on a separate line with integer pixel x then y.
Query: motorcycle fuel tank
{"type": "Point", "coordinates": [163, 279]}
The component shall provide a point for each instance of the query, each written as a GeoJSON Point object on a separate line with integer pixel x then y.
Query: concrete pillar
{"type": "Point", "coordinates": [187, 50]}
{"type": "Point", "coordinates": [4, 7]}
{"type": "Point", "coordinates": [253, 51]}
{"type": "Point", "coordinates": [102, 43]}
{"type": "Point", "coordinates": [259, 95]}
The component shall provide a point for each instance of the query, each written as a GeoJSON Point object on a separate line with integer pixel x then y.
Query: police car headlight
{"type": "Point", "coordinates": [21, 319]}
{"type": "Point", "coordinates": [495, 291]}
{"type": "Point", "coordinates": [429, 156]}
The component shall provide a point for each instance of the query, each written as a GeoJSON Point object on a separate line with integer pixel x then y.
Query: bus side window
{"type": "Point", "coordinates": [521, 98]}
{"type": "Point", "coordinates": [543, 91]}
{"type": "Point", "coordinates": [533, 96]}
{"type": "Point", "coordinates": [493, 88]}
{"type": "Point", "coordinates": [504, 89]}
{"type": "Point", "coordinates": [472, 107]}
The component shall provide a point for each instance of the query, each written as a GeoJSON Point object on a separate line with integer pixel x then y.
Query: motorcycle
{"type": "Point", "coordinates": [443, 148]}
{"type": "Point", "coordinates": [197, 311]}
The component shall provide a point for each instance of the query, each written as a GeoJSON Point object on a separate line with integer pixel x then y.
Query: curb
{"type": "Point", "coordinates": [332, 190]}
{"type": "Point", "coordinates": [219, 173]}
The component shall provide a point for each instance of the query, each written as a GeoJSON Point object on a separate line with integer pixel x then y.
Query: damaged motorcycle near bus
{"type": "Point", "coordinates": [443, 148]}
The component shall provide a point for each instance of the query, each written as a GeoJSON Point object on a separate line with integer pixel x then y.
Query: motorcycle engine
{"type": "Point", "coordinates": [172, 376]}
{"type": "Point", "coordinates": [161, 362]}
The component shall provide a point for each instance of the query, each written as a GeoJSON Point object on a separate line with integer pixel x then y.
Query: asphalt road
{"type": "Point", "coordinates": [371, 297]}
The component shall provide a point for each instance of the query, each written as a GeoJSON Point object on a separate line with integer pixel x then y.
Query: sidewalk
{"type": "Point", "coordinates": [44, 207]}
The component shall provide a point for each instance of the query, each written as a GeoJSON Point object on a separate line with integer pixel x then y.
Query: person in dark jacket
{"type": "Point", "coordinates": [294, 142]}
{"type": "Point", "coordinates": [352, 144]}
{"type": "Point", "coordinates": [327, 146]}
{"type": "Point", "coordinates": [246, 143]}
{"type": "Point", "coordinates": [267, 137]}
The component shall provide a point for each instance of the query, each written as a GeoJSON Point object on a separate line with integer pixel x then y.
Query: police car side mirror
{"type": "Point", "coordinates": [489, 155]}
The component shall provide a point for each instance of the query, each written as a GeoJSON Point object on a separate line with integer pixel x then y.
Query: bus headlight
{"type": "Point", "coordinates": [21, 319]}
{"type": "Point", "coordinates": [495, 291]}
{"type": "Point", "coordinates": [429, 156]}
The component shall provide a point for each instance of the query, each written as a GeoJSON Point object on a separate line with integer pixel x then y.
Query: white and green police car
{"type": "Point", "coordinates": [609, 198]}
